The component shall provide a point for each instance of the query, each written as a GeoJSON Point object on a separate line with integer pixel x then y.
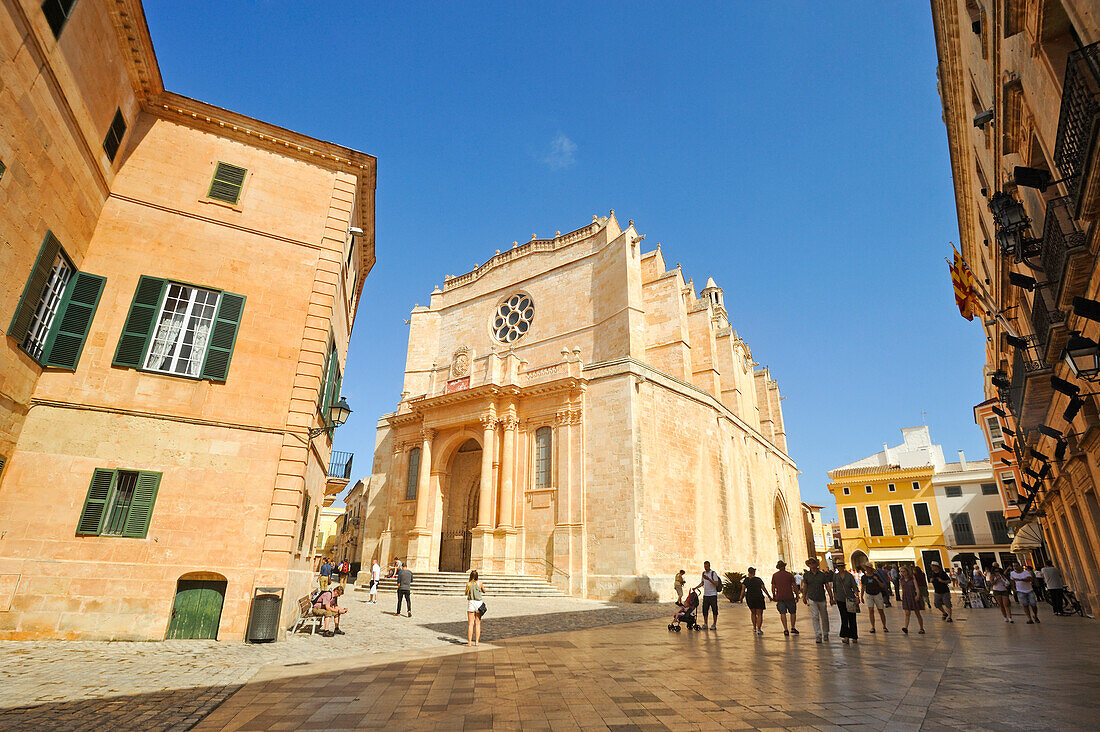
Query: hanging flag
{"type": "Point", "coordinates": [966, 291]}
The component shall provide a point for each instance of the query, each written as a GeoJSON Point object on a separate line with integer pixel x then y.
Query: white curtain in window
{"type": "Point", "coordinates": [198, 349]}
{"type": "Point", "coordinates": [165, 341]}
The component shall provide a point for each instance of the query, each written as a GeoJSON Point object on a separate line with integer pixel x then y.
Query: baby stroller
{"type": "Point", "coordinates": [686, 613]}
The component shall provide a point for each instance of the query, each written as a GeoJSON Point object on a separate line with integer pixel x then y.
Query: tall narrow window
{"type": "Point", "coordinates": [48, 305]}
{"type": "Point", "coordinates": [964, 532]}
{"type": "Point", "coordinates": [998, 527]}
{"type": "Point", "coordinates": [113, 141]}
{"type": "Point", "coordinates": [897, 520]}
{"type": "Point", "coordinates": [921, 514]}
{"type": "Point", "coordinates": [996, 437]}
{"type": "Point", "coordinates": [874, 521]}
{"type": "Point", "coordinates": [3, 168]}
{"type": "Point", "coordinates": [183, 330]}
{"type": "Point", "coordinates": [412, 478]}
{"type": "Point", "coordinates": [543, 436]}
{"type": "Point", "coordinates": [57, 12]}
{"type": "Point", "coordinates": [851, 518]}
{"type": "Point", "coordinates": [227, 183]}
{"type": "Point", "coordinates": [119, 504]}
{"type": "Point", "coordinates": [305, 520]}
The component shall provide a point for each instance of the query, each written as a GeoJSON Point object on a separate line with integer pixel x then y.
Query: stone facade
{"type": "Point", "coordinates": [574, 410]}
{"type": "Point", "coordinates": [1020, 85]}
{"type": "Point", "coordinates": [224, 467]}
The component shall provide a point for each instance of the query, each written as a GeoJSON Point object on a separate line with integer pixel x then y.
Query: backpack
{"type": "Point", "coordinates": [344, 567]}
{"type": "Point", "coordinates": [716, 582]}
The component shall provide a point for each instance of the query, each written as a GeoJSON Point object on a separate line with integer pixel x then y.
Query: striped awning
{"type": "Point", "coordinates": [1028, 536]}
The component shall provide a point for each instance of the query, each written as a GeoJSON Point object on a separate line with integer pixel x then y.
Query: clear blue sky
{"type": "Point", "coordinates": [798, 157]}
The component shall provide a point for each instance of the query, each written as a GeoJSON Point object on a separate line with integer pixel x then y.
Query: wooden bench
{"type": "Point", "coordinates": [306, 616]}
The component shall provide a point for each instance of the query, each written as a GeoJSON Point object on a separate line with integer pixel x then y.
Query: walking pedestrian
{"type": "Point", "coordinates": [846, 592]}
{"type": "Point", "coordinates": [910, 597]}
{"type": "Point", "coordinates": [873, 593]}
{"type": "Point", "coordinates": [1002, 591]}
{"type": "Point", "coordinates": [474, 592]}
{"type": "Point", "coordinates": [1025, 582]}
{"type": "Point", "coordinates": [1056, 587]}
{"type": "Point", "coordinates": [941, 591]}
{"type": "Point", "coordinates": [345, 571]}
{"type": "Point", "coordinates": [678, 585]}
{"type": "Point", "coordinates": [375, 576]}
{"type": "Point", "coordinates": [884, 580]}
{"type": "Point", "coordinates": [816, 583]}
{"type": "Point", "coordinates": [404, 589]}
{"type": "Point", "coordinates": [785, 593]}
{"type": "Point", "coordinates": [894, 576]}
{"type": "Point", "coordinates": [711, 584]}
{"type": "Point", "coordinates": [325, 574]}
{"type": "Point", "coordinates": [922, 586]}
{"type": "Point", "coordinates": [753, 592]}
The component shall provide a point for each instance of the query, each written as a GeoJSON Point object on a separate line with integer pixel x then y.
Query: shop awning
{"type": "Point", "coordinates": [1028, 536]}
{"type": "Point", "coordinates": [891, 555]}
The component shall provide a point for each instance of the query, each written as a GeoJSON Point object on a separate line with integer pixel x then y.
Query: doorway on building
{"type": "Point", "coordinates": [460, 507]}
{"type": "Point", "coordinates": [858, 559]}
{"type": "Point", "coordinates": [927, 556]}
{"type": "Point", "coordinates": [197, 608]}
{"type": "Point", "coordinates": [782, 535]}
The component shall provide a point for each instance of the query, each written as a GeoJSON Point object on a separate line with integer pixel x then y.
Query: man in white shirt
{"type": "Point", "coordinates": [710, 583]}
{"type": "Point", "coordinates": [375, 575]}
{"type": "Point", "coordinates": [1025, 581]}
{"type": "Point", "coordinates": [1056, 587]}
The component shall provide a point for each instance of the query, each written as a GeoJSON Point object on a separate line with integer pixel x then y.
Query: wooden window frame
{"type": "Point", "coordinates": [904, 518]}
{"type": "Point", "coordinates": [223, 169]}
{"type": "Point", "coordinates": [102, 494]}
{"type": "Point", "coordinates": [871, 523]}
{"type": "Point", "coordinates": [412, 478]}
{"type": "Point", "coordinates": [854, 514]}
{"type": "Point", "coordinates": [548, 484]}
{"type": "Point", "coordinates": [916, 515]}
{"type": "Point", "coordinates": [112, 141]}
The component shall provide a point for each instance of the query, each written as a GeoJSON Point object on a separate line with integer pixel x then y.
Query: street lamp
{"type": "Point", "coordinates": [337, 414]}
{"type": "Point", "coordinates": [1082, 355]}
{"type": "Point", "coordinates": [1008, 213]}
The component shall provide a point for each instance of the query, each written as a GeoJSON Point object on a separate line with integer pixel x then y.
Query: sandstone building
{"type": "Point", "coordinates": [574, 410]}
{"type": "Point", "coordinates": [1020, 85]}
{"type": "Point", "coordinates": [180, 283]}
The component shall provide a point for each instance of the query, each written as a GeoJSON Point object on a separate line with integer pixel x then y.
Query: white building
{"type": "Point", "coordinates": [972, 513]}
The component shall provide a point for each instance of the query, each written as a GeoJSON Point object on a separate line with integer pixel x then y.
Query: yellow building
{"type": "Point", "coordinates": [887, 505]}
{"type": "Point", "coordinates": [180, 284]}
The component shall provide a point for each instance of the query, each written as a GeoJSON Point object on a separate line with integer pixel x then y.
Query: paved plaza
{"type": "Point", "coordinates": [562, 663]}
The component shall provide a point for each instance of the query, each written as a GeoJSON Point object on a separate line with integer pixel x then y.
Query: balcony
{"type": "Point", "coordinates": [1075, 150]}
{"type": "Point", "coordinates": [339, 467]}
{"type": "Point", "coordinates": [1061, 255]}
{"type": "Point", "coordinates": [1030, 394]}
{"type": "Point", "coordinates": [1049, 326]}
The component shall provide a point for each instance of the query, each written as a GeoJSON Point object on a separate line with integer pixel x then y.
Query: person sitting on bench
{"type": "Point", "coordinates": [325, 605]}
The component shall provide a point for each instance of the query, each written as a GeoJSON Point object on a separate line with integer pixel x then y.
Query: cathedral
{"type": "Point", "coordinates": [574, 410]}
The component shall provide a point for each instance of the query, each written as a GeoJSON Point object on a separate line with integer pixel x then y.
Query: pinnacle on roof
{"type": "Point", "coordinates": [710, 284]}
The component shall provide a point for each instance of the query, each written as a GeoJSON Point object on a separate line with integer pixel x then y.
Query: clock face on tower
{"type": "Point", "coordinates": [512, 318]}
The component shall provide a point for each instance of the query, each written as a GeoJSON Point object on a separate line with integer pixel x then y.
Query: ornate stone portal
{"type": "Point", "coordinates": [613, 432]}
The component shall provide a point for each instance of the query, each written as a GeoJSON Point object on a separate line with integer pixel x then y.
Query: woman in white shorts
{"type": "Point", "coordinates": [474, 592]}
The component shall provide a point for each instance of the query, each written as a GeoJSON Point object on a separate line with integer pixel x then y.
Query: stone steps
{"type": "Point", "coordinates": [453, 584]}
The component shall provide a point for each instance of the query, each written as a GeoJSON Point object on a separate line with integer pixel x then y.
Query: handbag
{"type": "Point", "coordinates": [482, 610]}
{"type": "Point", "coordinates": [851, 606]}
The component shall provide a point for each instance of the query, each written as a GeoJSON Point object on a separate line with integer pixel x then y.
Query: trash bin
{"type": "Point", "coordinates": [263, 623]}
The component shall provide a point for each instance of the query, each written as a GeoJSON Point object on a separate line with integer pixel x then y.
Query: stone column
{"type": "Point", "coordinates": [506, 532]}
{"type": "Point", "coordinates": [420, 537]}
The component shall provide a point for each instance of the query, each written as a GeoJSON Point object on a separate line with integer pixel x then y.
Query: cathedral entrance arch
{"type": "Point", "coordinates": [782, 532]}
{"type": "Point", "coordinates": [460, 508]}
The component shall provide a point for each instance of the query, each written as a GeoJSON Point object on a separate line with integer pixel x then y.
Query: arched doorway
{"type": "Point", "coordinates": [782, 534]}
{"type": "Point", "coordinates": [197, 607]}
{"type": "Point", "coordinates": [858, 559]}
{"type": "Point", "coordinates": [460, 508]}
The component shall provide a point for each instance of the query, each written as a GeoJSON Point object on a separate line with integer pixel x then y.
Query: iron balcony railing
{"type": "Point", "coordinates": [1078, 116]}
{"type": "Point", "coordinates": [1061, 239]}
{"type": "Point", "coordinates": [1042, 320]}
{"type": "Point", "coordinates": [340, 465]}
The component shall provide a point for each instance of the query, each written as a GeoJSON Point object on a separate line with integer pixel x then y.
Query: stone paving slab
{"type": "Point", "coordinates": [977, 673]}
{"type": "Point", "coordinates": [75, 685]}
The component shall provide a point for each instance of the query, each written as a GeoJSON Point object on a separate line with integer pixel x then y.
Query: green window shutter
{"type": "Point", "coordinates": [138, 329]}
{"type": "Point", "coordinates": [141, 506]}
{"type": "Point", "coordinates": [36, 283]}
{"type": "Point", "coordinates": [222, 337]}
{"type": "Point", "coordinates": [326, 381]}
{"type": "Point", "coordinates": [74, 318]}
{"type": "Point", "coordinates": [95, 505]}
{"type": "Point", "coordinates": [334, 391]}
{"type": "Point", "coordinates": [227, 184]}
{"type": "Point", "coordinates": [305, 519]}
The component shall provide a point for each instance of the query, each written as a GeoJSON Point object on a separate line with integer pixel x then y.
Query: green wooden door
{"type": "Point", "coordinates": [197, 609]}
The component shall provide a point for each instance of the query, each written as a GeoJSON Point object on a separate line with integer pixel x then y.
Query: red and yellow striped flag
{"type": "Point", "coordinates": [966, 292]}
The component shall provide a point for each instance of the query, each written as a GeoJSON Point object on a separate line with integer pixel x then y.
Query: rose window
{"type": "Point", "coordinates": [513, 318]}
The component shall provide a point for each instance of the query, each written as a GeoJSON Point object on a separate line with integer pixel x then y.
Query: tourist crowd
{"type": "Point", "coordinates": [874, 587]}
